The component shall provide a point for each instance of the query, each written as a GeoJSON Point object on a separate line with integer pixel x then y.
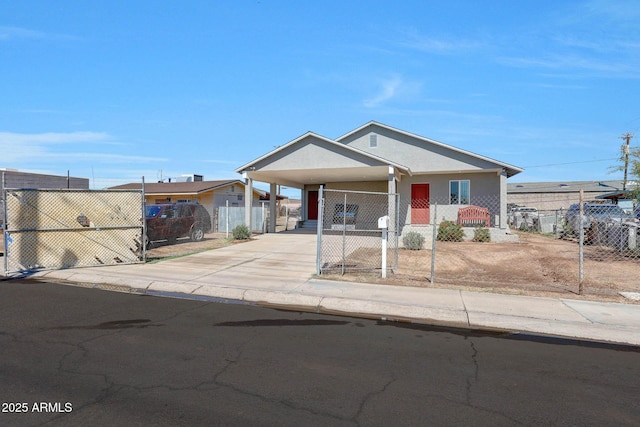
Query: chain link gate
{"type": "Point", "coordinates": [55, 229]}
{"type": "Point", "coordinates": [349, 238]}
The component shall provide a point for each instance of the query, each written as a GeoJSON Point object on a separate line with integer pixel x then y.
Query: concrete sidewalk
{"type": "Point", "coordinates": [277, 270]}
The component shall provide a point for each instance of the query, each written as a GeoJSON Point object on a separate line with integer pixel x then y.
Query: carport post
{"type": "Point", "coordinates": [273, 197]}
{"type": "Point", "coordinates": [248, 200]}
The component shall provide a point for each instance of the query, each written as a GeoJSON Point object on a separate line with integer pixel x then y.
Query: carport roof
{"type": "Point", "coordinates": [377, 170]}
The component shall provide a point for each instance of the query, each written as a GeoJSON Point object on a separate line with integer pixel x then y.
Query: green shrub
{"type": "Point", "coordinates": [481, 234]}
{"type": "Point", "coordinates": [449, 231]}
{"type": "Point", "coordinates": [413, 241]}
{"type": "Point", "coordinates": [241, 232]}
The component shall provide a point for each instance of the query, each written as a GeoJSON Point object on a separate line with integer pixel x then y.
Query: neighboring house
{"type": "Point", "coordinates": [210, 194]}
{"type": "Point", "coordinates": [376, 157]}
{"type": "Point", "coordinates": [551, 196]}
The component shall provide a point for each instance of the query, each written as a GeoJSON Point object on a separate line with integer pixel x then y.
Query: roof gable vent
{"type": "Point", "coordinates": [373, 140]}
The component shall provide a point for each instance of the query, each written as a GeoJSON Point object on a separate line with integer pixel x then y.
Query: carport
{"type": "Point", "coordinates": [311, 161]}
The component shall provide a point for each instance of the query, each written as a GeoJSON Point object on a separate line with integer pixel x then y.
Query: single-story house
{"type": "Point", "coordinates": [210, 194]}
{"type": "Point", "coordinates": [379, 158]}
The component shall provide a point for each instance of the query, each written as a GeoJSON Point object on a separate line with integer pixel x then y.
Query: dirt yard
{"type": "Point", "coordinates": [536, 265]}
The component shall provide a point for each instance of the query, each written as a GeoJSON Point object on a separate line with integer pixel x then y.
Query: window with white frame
{"type": "Point", "coordinates": [459, 192]}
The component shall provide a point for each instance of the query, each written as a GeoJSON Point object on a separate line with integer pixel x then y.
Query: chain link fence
{"type": "Point", "coordinates": [53, 229]}
{"type": "Point", "coordinates": [350, 238]}
{"type": "Point", "coordinates": [481, 242]}
{"type": "Point", "coordinates": [604, 236]}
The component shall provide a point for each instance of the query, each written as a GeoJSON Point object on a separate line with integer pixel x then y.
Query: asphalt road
{"type": "Point", "coordinates": [77, 357]}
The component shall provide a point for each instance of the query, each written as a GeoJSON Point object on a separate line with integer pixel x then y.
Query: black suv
{"type": "Point", "coordinates": [174, 220]}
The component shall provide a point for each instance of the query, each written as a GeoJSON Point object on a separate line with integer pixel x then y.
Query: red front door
{"type": "Point", "coordinates": [312, 205]}
{"type": "Point", "coordinates": [419, 203]}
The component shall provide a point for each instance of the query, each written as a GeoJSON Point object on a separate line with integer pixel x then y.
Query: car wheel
{"type": "Point", "coordinates": [148, 244]}
{"type": "Point", "coordinates": [197, 234]}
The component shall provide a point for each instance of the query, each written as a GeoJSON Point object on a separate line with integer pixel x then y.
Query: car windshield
{"type": "Point", "coordinates": [152, 211]}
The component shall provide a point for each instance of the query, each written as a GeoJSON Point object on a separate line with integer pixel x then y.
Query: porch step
{"type": "Point", "coordinates": [310, 224]}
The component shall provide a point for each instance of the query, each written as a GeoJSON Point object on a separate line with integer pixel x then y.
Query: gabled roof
{"type": "Point", "coordinates": [328, 141]}
{"type": "Point", "coordinates": [511, 169]}
{"type": "Point", "coordinates": [178, 187]}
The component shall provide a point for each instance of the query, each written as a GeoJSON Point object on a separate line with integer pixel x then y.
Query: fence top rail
{"type": "Point", "coordinates": [359, 192]}
{"type": "Point", "coordinates": [78, 190]}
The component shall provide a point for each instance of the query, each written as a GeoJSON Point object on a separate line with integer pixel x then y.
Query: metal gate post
{"type": "Point", "coordinates": [3, 195]}
{"type": "Point", "coordinates": [397, 229]}
{"type": "Point", "coordinates": [344, 231]}
{"type": "Point", "coordinates": [319, 230]}
{"type": "Point", "coordinates": [144, 224]}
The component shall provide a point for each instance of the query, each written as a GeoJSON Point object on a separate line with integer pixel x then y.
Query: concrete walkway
{"type": "Point", "coordinates": [277, 270]}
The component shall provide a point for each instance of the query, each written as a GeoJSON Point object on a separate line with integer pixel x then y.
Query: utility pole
{"type": "Point", "coordinates": [625, 150]}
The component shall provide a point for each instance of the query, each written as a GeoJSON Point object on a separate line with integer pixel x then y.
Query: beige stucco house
{"type": "Point", "coordinates": [210, 194]}
{"type": "Point", "coordinates": [377, 157]}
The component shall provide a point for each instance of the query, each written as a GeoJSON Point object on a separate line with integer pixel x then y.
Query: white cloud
{"type": "Point", "coordinates": [17, 33]}
{"type": "Point", "coordinates": [389, 89]}
{"type": "Point", "coordinates": [31, 148]}
{"type": "Point", "coordinates": [222, 162]}
{"type": "Point", "coordinates": [107, 158]}
{"type": "Point", "coordinates": [51, 138]}
{"type": "Point", "coordinates": [440, 45]}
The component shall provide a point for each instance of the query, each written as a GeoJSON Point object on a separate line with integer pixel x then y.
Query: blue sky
{"type": "Point", "coordinates": [114, 90]}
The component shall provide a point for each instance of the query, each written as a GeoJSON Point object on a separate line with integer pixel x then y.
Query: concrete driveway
{"type": "Point", "coordinates": [272, 262]}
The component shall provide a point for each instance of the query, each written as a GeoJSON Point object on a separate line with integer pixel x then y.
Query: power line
{"type": "Point", "coordinates": [570, 163]}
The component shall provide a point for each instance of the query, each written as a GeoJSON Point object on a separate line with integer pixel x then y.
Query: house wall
{"type": "Point", "coordinates": [234, 194]}
{"type": "Point", "coordinates": [306, 154]}
{"type": "Point", "coordinates": [371, 186]}
{"type": "Point", "coordinates": [484, 192]}
{"type": "Point", "coordinates": [417, 154]}
{"type": "Point", "coordinates": [374, 186]}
